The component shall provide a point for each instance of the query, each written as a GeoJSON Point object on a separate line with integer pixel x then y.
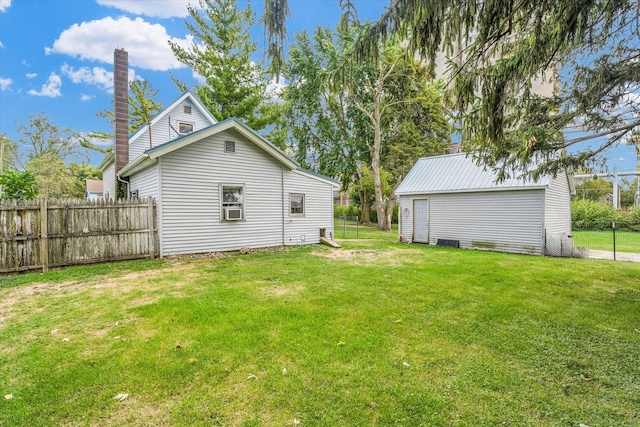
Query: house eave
{"type": "Point", "coordinates": [141, 163]}
{"type": "Point", "coordinates": [107, 161]}
{"type": "Point", "coordinates": [470, 190]}
{"type": "Point", "coordinates": [324, 179]}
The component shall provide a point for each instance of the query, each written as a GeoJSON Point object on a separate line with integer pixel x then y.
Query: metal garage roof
{"type": "Point", "coordinates": [456, 173]}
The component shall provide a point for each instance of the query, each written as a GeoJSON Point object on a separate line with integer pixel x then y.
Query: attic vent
{"type": "Point", "coordinates": [187, 109]}
{"type": "Point", "coordinates": [229, 146]}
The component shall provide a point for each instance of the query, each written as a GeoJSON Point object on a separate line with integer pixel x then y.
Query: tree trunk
{"type": "Point", "coordinates": [365, 217]}
{"type": "Point", "coordinates": [375, 168]}
{"type": "Point", "coordinates": [391, 204]}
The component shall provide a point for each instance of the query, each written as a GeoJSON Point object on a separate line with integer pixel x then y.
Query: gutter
{"type": "Point", "coordinates": [473, 190]}
{"type": "Point", "coordinates": [143, 161]}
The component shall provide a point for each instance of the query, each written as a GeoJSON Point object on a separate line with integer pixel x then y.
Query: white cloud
{"type": "Point", "coordinates": [51, 88]}
{"type": "Point", "coordinates": [146, 43]}
{"type": "Point", "coordinates": [1, 45]}
{"type": "Point", "coordinates": [4, 5]}
{"type": "Point", "coordinates": [159, 9]}
{"type": "Point", "coordinates": [85, 98]}
{"type": "Point", "coordinates": [5, 83]}
{"type": "Point", "coordinates": [621, 159]}
{"type": "Point", "coordinates": [32, 75]}
{"type": "Point", "coordinates": [97, 76]}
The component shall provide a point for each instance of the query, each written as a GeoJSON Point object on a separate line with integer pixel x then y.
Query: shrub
{"type": "Point", "coordinates": [590, 215]}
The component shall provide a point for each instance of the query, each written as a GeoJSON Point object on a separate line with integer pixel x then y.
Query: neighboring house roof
{"type": "Point", "coordinates": [149, 157]}
{"type": "Point", "coordinates": [205, 112]}
{"type": "Point", "coordinates": [457, 173]}
{"type": "Point", "coordinates": [94, 185]}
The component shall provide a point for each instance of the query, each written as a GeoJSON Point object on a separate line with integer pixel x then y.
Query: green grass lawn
{"type": "Point", "coordinates": [377, 333]}
{"type": "Point", "coordinates": [626, 241]}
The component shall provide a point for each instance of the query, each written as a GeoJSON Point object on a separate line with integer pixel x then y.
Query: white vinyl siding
{"type": "Point", "coordinates": [190, 179]}
{"type": "Point", "coordinates": [557, 206]}
{"type": "Point", "coordinates": [109, 182]}
{"type": "Point", "coordinates": [318, 205]}
{"type": "Point", "coordinates": [161, 132]}
{"type": "Point", "coordinates": [509, 221]}
{"type": "Point", "coordinates": [145, 182]}
{"type": "Point", "coordinates": [405, 216]}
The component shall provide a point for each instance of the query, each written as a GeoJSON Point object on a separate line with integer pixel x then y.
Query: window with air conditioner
{"type": "Point", "coordinates": [232, 197]}
{"type": "Point", "coordinates": [185, 128]}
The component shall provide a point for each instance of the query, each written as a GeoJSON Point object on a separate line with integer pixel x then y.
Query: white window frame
{"type": "Point", "coordinates": [181, 123]}
{"type": "Point", "coordinates": [241, 204]}
{"type": "Point", "coordinates": [291, 196]}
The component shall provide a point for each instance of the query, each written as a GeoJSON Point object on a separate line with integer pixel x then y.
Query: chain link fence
{"type": "Point", "coordinates": [601, 241]}
{"type": "Point", "coordinates": [347, 226]}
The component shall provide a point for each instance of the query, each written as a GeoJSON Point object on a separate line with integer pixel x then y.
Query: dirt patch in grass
{"type": "Point", "coordinates": [365, 256]}
{"type": "Point", "coordinates": [26, 297]}
{"type": "Point", "coordinates": [279, 291]}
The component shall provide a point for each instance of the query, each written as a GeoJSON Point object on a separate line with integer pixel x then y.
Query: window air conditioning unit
{"type": "Point", "coordinates": [232, 214]}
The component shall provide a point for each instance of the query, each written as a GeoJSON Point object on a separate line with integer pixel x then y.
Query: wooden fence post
{"type": "Point", "coordinates": [44, 243]}
{"type": "Point", "coordinates": [150, 223]}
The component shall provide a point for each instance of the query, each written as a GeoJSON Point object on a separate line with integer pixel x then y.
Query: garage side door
{"type": "Point", "coordinates": [421, 220]}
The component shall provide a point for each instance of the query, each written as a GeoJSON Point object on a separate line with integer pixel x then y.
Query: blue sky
{"type": "Point", "coordinates": [56, 55]}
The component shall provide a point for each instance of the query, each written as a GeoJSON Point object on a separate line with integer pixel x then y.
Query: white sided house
{"type": "Point", "coordinates": [221, 186]}
{"type": "Point", "coordinates": [451, 200]}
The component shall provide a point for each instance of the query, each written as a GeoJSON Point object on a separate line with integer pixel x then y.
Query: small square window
{"type": "Point", "coordinates": [185, 128]}
{"type": "Point", "coordinates": [296, 204]}
{"type": "Point", "coordinates": [187, 109]}
{"type": "Point", "coordinates": [229, 146]}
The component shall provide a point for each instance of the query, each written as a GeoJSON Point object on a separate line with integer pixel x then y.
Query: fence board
{"type": "Point", "coordinates": [53, 233]}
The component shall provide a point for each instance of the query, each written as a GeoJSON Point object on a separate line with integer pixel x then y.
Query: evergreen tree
{"type": "Point", "coordinates": [220, 53]}
{"type": "Point", "coordinates": [142, 108]}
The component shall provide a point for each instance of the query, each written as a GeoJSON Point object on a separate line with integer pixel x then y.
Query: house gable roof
{"type": "Point", "coordinates": [151, 154]}
{"type": "Point", "coordinates": [186, 95]}
{"type": "Point", "coordinates": [458, 173]}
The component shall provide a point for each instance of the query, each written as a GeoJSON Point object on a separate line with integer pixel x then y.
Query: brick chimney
{"type": "Point", "coordinates": [121, 105]}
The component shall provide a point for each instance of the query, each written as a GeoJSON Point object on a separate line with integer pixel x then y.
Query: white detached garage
{"type": "Point", "coordinates": [450, 198]}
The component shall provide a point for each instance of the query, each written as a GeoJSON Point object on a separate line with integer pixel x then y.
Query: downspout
{"type": "Point", "coordinates": [282, 185]}
{"type": "Point", "coordinates": [124, 182]}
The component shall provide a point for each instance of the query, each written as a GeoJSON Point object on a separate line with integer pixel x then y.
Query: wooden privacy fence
{"type": "Point", "coordinates": [38, 234]}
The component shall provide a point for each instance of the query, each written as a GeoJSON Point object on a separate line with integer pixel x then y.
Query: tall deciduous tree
{"type": "Point", "coordinates": [407, 120]}
{"type": "Point", "coordinates": [53, 177]}
{"type": "Point", "coordinates": [386, 109]}
{"type": "Point", "coordinates": [324, 128]}
{"type": "Point", "coordinates": [8, 153]}
{"type": "Point", "coordinates": [234, 85]}
{"type": "Point", "coordinates": [41, 137]}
